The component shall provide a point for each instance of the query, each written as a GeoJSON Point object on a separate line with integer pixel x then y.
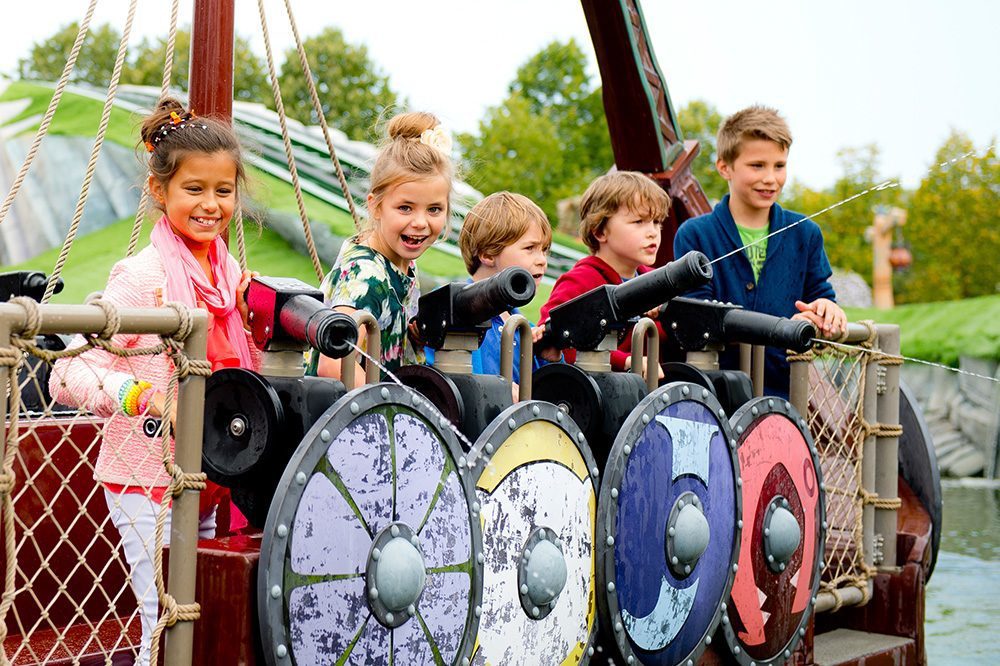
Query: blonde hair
{"type": "Point", "coordinates": [497, 222]}
{"type": "Point", "coordinates": [610, 192]}
{"type": "Point", "coordinates": [753, 122]}
{"type": "Point", "coordinates": [402, 158]}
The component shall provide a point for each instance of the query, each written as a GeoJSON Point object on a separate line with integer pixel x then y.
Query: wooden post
{"type": "Point", "coordinates": [880, 234]}
{"type": "Point", "coordinates": [179, 646]}
{"type": "Point", "coordinates": [887, 446]}
{"type": "Point", "coordinates": [211, 75]}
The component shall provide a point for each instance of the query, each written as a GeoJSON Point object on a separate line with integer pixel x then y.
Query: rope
{"type": "Point", "coordinates": [43, 128]}
{"type": "Point", "coordinates": [168, 66]}
{"type": "Point", "coordinates": [11, 359]}
{"type": "Point", "coordinates": [318, 107]}
{"type": "Point", "coordinates": [241, 244]}
{"type": "Point", "coordinates": [873, 499]}
{"type": "Point", "coordinates": [279, 106]}
{"type": "Point", "coordinates": [91, 166]}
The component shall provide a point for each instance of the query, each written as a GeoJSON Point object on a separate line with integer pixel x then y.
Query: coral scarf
{"type": "Point", "coordinates": [187, 283]}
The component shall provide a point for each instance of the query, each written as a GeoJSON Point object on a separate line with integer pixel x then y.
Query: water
{"type": "Point", "coordinates": [963, 597]}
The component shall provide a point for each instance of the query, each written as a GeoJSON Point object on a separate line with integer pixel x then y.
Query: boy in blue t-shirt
{"type": "Point", "coordinates": [503, 230]}
{"type": "Point", "coordinates": [785, 274]}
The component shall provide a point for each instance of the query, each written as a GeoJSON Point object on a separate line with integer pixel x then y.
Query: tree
{"type": "Point", "coordinates": [94, 64]}
{"type": "Point", "coordinates": [549, 138]}
{"type": "Point", "coordinates": [250, 82]}
{"type": "Point", "coordinates": [352, 89]}
{"type": "Point", "coordinates": [700, 120]}
{"type": "Point", "coordinates": [845, 222]}
{"type": "Point", "coordinates": [952, 226]}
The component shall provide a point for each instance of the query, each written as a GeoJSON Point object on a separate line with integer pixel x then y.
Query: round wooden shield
{"type": "Point", "coordinates": [782, 550]}
{"type": "Point", "coordinates": [372, 553]}
{"type": "Point", "coordinates": [537, 486]}
{"type": "Point", "coordinates": [668, 527]}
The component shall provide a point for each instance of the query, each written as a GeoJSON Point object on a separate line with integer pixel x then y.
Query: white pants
{"type": "Point", "coordinates": [135, 517]}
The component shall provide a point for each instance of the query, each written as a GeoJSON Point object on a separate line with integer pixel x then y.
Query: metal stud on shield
{"type": "Point", "coordinates": [668, 527]}
{"type": "Point", "coordinates": [781, 554]}
{"type": "Point", "coordinates": [372, 551]}
{"type": "Point", "coordinates": [536, 483]}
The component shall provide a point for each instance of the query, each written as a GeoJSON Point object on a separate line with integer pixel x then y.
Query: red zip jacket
{"type": "Point", "coordinates": [586, 274]}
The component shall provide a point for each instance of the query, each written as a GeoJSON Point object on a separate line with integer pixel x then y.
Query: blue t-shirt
{"type": "Point", "coordinates": [486, 359]}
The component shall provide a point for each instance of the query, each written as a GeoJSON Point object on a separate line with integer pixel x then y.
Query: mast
{"type": "Point", "coordinates": [210, 90]}
{"type": "Point", "coordinates": [211, 76]}
{"type": "Point", "coordinates": [645, 135]}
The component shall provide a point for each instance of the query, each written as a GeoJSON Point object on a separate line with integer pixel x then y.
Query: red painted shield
{"type": "Point", "coordinates": [781, 550]}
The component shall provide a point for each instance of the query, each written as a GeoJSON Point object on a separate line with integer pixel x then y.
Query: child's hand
{"type": "Point", "coordinates": [413, 332]}
{"type": "Point", "coordinates": [659, 368]}
{"type": "Point", "coordinates": [828, 317]}
{"type": "Point", "coordinates": [546, 352]}
{"type": "Point", "coordinates": [241, 301]}
{"type": "Point", "coordinates": [156, 406]}
{"type": "Point", "coordinates": [653, 314]}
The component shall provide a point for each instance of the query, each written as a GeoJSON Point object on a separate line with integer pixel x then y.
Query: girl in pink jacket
{"type": "Point", "coordinates": [196, 176]}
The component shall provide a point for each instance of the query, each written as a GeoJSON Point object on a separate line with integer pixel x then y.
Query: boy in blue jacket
{"type": "Point", "coordinates": [783, 269]}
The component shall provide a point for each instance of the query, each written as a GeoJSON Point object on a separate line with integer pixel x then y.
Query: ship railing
{"type": "Point", "coordinates": [848, 390]}
{"type": "Point", "coordinates": [66, 592]}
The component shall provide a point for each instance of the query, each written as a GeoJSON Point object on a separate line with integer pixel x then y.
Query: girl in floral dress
{"type": "Point", "coordinates": [408, 206]}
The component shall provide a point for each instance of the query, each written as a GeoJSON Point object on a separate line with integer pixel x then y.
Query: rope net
{"type": "Point", "coordinates": [85, 495]}
{"type": "Point", "coordinates": [837, 422]}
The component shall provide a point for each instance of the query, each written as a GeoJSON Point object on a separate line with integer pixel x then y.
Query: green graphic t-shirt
{"type": "Point", "coordinates": [756, 251]}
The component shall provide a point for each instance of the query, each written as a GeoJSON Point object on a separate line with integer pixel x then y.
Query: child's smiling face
{"type": "Point", "coordinates": [199, 198]}
{"type": "Point", "coordinates": [409, 219]}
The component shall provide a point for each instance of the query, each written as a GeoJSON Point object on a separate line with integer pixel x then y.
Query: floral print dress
{"type": "Point", "coordinates": [363, 279]}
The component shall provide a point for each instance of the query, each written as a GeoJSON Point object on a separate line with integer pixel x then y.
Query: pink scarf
{"type": "Point", "coordinates": [186, 283]}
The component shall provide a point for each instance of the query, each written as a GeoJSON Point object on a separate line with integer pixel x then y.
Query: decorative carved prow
{"type": "Point", "coordinates": [645, 135]}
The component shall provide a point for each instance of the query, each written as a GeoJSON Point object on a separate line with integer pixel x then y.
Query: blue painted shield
{"type": "Point", "coordinates": [372, 553]}
{"type": "Point", "coordinates": [668, 527]}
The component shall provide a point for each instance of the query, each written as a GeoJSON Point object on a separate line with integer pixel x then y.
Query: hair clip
{"type": "Point", "coordinates": [174, 118]}
{"type": "Point", "coordinates": [150, 147]}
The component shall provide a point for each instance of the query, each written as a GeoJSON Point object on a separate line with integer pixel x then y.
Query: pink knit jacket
{"type": "Point", "coordinates": [92, 380]}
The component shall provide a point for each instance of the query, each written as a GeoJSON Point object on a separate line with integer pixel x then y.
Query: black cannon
{"type": "Point", "coordinates": [452, 320]}
{"type": "Point", "coordinates": [702, 328]}
{"type": "Point", "coordinates": [34, 374]}
{"type": "Point", "coordinates": [253, 422]}
{"type": "Point", "coordinates": [596, 398]}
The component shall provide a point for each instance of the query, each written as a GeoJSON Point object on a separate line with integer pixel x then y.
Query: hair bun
{"type": "Point", "coordinates": [411, 125]}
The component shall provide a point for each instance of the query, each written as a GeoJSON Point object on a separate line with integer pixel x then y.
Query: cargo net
{"type": "Point", "coordinates": [838, 425]}
{"type": "Point", "coordinates": [68, 592]}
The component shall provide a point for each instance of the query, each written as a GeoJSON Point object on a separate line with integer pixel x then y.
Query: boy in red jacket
{"type": "Point", "coordinates": [620, 218]}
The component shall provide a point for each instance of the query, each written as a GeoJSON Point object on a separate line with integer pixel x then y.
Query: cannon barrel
{"type": "Point", "coordinates": [463, 306]}
{"type": "Point", "coordinates": [584, 321]}
{"type": "Point", "coordinates": [25, 283]}
{"type": "Point", "coordinates": [696, 324]}
{"type": "Point", "coordinates": [287, 314]}
{"type": "Point", "coordinates": [479, 301]}
{"type": "Point", "coordinates": [308, 321]}
{"type": "Point", "coordinates": [651, 289]}
{"type": "Point", "coordinates": [757, 328]}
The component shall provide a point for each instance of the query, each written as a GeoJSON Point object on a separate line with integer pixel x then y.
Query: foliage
{"type": "Point", "coordinates": [701, 120]}
{"type": "Point", "coordinates": [352, 89]}
{"type": "Point", "coordinates": [94, 64]}
{"type": "Point", "coordinates": [953, 227]}
{"type": "Point", "coordinates": [844, 226]}
{"type": "Point", "coordinates": [145, 68]}
{"type": "Point", "coordinates": [548, 139]}
{"type": "Point", "coordinates": [941, 332]}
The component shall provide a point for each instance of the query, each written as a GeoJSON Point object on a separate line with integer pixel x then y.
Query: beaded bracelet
{"type": "Point", "coordinates": [144, 399]}
{"type": "Point", "coordinates": [129, 396]}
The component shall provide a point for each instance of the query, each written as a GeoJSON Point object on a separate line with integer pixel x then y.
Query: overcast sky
{"type": "Point", "coordinates": [899, 73]}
